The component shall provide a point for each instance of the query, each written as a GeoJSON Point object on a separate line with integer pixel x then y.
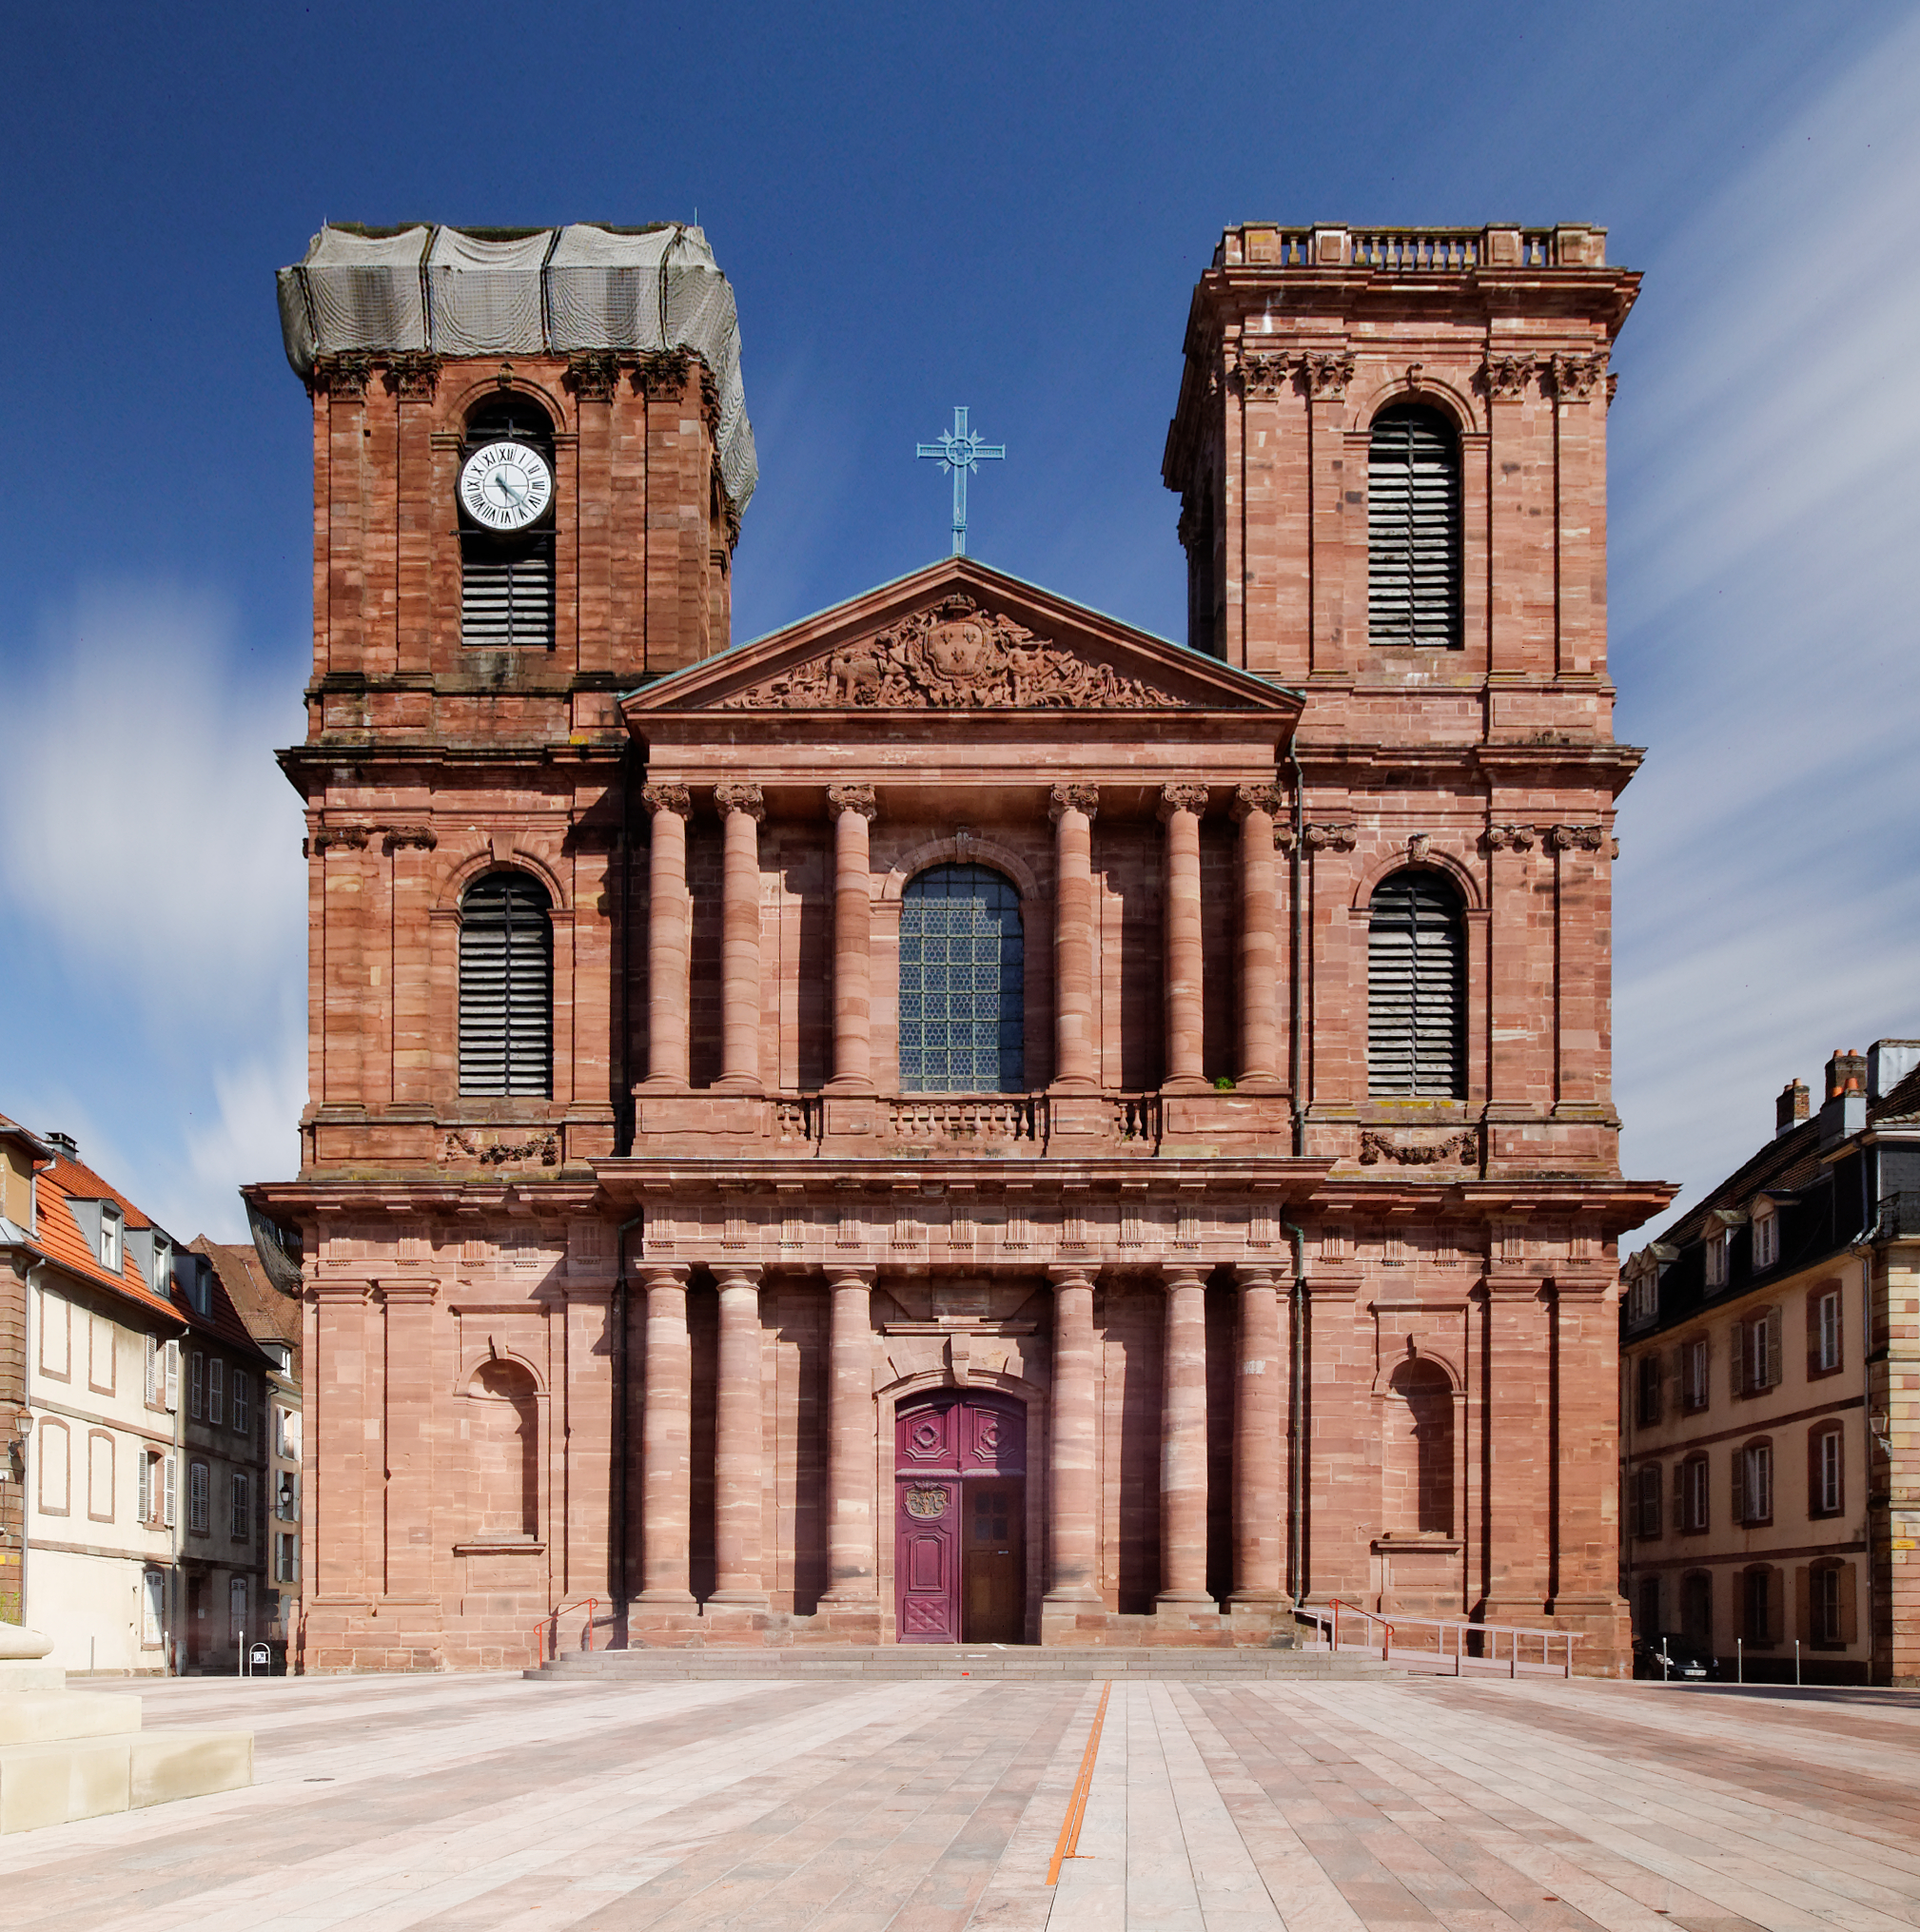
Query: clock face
{"type": "Point", "coordinates": [505, 486]}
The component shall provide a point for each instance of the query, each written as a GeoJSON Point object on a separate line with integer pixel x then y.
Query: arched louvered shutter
{"type": "Point", "coordinates": [506, 987]}
{"type": "Point", "coordinates": [1412, 530]}
{"type": "Point", "coordinates": [1416, 988]}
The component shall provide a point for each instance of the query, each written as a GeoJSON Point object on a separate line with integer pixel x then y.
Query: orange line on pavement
{"type": "Point", "coordinates": [1068, 1843]}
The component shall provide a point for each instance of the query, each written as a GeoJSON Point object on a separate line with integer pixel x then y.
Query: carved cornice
{"type": "Point", "coordinates": [1575, 376]}
{"type": "Point", "coordinates": [1508, 838]}
{"type": "Point", "coordinates": [344, 376]}
{"type": "Point", "coordinates": [747, 798]}
{"type": "Point", "coordinates": [1328, 373]}
{"type": "Point", "coordinates": [955, 656]}
{"type": "Point", "coordinates": [1182, 798]}
{"type": "Point", "coordinates": [1333, 838]}
{"type": "Point", "coordinates": [674, 798]}
{"type": "Point", "coordinates": [593, 375]}
{"type": "Point", "coordinates": [1251, 798]}
{"type": "Point", "coordinates": [413, 374]}
{"type": "Point", "coordinates": [1504, 378]}
{"type": "Point", "coordinates": [1081, 798]}
{"type": "Point", "coordinates": [395, 837]}
{"type": "Point", "coordinates": [861, 798]}
{"type": "Point", "coordinates": [460, 1147]}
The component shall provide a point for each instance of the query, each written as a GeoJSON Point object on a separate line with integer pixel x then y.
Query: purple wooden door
{"type": "Point", "coordinates": [939, 1442]}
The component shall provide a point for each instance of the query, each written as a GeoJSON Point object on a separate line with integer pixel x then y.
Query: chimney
{"type": "Point", "coordinates": [66, 1142]}
{"type": "Point", "coordinates": [1844, 1112]}
{"type": "Point", "coordinates": [1791, 1108]}
{"type": "Point", "coordinates": [1889, 1062]}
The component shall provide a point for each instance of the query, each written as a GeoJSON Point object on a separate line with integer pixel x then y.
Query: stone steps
{"type": "Point", "coordinates": [901, 1662]}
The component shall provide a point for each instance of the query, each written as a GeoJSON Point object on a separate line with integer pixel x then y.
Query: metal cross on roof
{"type": "Point", "coordinates": [960, 449]}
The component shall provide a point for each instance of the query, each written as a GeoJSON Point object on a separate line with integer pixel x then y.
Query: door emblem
{"type": "Point", "coordinates": [925, 1503]}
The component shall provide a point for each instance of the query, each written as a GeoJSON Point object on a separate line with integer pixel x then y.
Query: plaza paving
{"type": "Point", "coordinates": [493, 1801]}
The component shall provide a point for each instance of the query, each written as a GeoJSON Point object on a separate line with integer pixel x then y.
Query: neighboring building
{"type": "Point", "coordinates": [225, 1402]}
{"type": "Point", "coordinates": [271, 1315]}
{"type": "Point", "coordinates": [96, 1444]}
{"type": "Point", "coordinates": [1770, 1396]}
{"type": "Point", "coordinates": [959, 1120]}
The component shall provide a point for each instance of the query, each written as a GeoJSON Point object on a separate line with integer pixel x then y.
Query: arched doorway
{"type": "Point", "coordinates": [960, 1519]}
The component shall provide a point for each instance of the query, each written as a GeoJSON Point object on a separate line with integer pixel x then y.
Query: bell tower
{"type": "Point", "coordinates": [531, 455]}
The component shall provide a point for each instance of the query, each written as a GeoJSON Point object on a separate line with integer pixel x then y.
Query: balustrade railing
{"type": "Point", "coordinates": [998, 1118]}
{"type": "Point", "coordinates": [995, 1119]}
{"type": "Point", "coordinates": [1423, 251]}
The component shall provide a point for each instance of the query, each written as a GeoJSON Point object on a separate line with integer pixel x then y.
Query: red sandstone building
{"type": "Point", "coordinates": [958, 1120]}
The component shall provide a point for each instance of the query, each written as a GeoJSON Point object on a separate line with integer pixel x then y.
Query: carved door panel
{"type": "Point", "coordinates": [992, 1561]}
{"type": "Point", "coordinates": [927, 1561]}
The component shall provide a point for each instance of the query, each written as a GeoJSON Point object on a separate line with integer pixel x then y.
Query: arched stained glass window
{"type": "Point", "coordinates": [1412, 530]}
{"type": "Point", "coordinates": [506, 987]}
{"type": "Point", "coordinates": [1416, 988]}
{"type": "Point", "coordinates": [962, 982]}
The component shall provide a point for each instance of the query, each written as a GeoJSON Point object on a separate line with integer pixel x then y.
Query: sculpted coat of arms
{"type": "Point", "coordinates": [954, 656]}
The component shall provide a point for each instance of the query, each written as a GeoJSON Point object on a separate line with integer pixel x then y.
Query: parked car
{"type": "Point", "coordinates": [1686, 1662]}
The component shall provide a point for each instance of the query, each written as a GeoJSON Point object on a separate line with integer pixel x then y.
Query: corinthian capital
{"type": "Point", "coordinates": [748, 798]}
{"type": "Point", "coordinates": [1182, 798]}
{"type": "Point", "coordinates": [1081, 798]}
{"type": "Point", "coordinates": [658, 798]}
{"type": "Point", "coordinates": [858, 798]}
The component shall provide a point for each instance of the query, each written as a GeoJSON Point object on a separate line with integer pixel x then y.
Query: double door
{"type": "Point", "coordinates": [960, 1519]}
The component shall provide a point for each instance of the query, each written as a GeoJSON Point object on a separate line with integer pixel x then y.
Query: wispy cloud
{"type": "Point", "coordinates": [155, 898]}
{"type": "Point", "coordinates": [1767, 527]}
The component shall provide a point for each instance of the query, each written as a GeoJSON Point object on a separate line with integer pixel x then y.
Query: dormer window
{"type": "Point", "coordinates": [1644, 1297]}
{"type": "Point", "coordinates": [1717, 1257]}
{"type": "Point", "coordinates": [112, 1230]}
{"type": "Point", "coordinates": [1766, 1237]}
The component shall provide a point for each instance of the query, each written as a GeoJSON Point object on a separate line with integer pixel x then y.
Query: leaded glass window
{"type": "Point", "coordinates": [962, 984]}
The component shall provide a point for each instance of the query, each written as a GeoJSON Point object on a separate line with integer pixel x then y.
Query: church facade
{"type": "Point", "coordinates": [958, 1120]}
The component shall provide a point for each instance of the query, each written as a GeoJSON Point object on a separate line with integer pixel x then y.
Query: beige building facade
{"type": "Point", "coordinates": [1769, 1371]}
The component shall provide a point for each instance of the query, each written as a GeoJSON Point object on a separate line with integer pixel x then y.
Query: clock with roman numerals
{"type": "Point", "coordinates": [505, 486]}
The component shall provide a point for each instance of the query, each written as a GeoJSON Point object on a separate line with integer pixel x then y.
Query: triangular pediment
{"type": "Point", "coordinates": [959, 637]}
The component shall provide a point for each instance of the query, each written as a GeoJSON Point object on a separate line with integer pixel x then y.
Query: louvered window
{"type": "Point", "coordinates": [1413, 527]}
{"type": "Point", "coordinates": [506, 582]}
{"type": "Point", "coordinates": [1416, 988]}
{"type": "Point", "coordinates": [506, 987]}
{"type": "Point", "coordinates": [506, 591]}
{"type": "Point", "coordinates": [962, 982]}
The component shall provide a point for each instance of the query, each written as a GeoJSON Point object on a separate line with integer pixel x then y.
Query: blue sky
{"type": "Point", "coordinates": [1004, 206]}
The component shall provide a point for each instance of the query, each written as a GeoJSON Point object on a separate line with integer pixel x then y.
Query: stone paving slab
{"type": "Point", "coordinates": [471, 1804]}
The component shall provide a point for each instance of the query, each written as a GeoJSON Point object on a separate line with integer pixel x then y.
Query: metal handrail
{"type": "Point", "coordinates": [1338, 1604]}
{"type": "Point", "coordinates": [553, 1618]}
{"type": "Point", "coordinates": [1460, 1629]}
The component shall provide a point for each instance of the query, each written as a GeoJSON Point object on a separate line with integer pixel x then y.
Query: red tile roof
{"type": "Point", "coordinates": [262, 1306]}
{"type": "Point", "coordinates": [59, 1239]}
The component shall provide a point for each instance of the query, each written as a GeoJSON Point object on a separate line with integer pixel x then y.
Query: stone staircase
{"type": "Point", "coordinates": [67, 1754]}
{"type": "Point", "coordinates": [1028, 1663]}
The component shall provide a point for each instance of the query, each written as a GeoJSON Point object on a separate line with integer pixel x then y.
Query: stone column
{"type": "Point", "coordinates": [739, 1473]}
{"type": "Point", "coordinates": [1075, 1066]}
{"type": "Point", "coordinates": [1259, 1448]}
{"type": "Point", "coordinates": [666, 1442]}
{"type": "Point", "coordinates": [1076, 1578]}
{"type": "Point", "coordinates": [1180, 810]}
{"type": "Point", "coordinates": [670, 938]}
{"type": "Point", "coordinates": [1183, 1442]}
{"type": "Point", "coordinates": [1254, 807]}
{"type": "Point", "coordinates": [853, 808]}
{"type": "Point", "coordinates": [850, 1440]}
{"type": "Point", "coordinates": [742, 807]}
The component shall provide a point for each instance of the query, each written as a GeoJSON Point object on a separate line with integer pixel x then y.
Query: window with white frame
{"type": "Point", "coordinates": [1694, 1363]}
{"type": "Point", "coordinates": [1757, 1353]}
{"type": "Point", "coordinates": [1825, 1493]}
{"type": "Point", "coordinates": [153, 1609]}
{"type": "Point", "coordinates": [196, 1386]}
{"type": "Point", "coordinates": [242, 1526]}
{"type": "Point", "coordinates": [1717, 1257]}
{"type": "Point", "coordinates": [1766, 1237]}
{"type": "Point", "coordinates": [144, 1474]}
{"type": "Point", "coordinates": [1693, 1473]}
{"type": "Point", "coordinates": [1753, 1484]}
{"type": "Point", "coordinates": [1827, 1332]}
{"type": "Point", "coordinates": [287, 1557]}
{"type": "Point", "coordinates": [286, 1434]}
{"type": "Point", "coordinates": [1644, 1297]}
{"type": "Point", "coordinates": [243, 1401]}
{"type": "Point", "coordinates": [287, 1497]}
{"type": "Point", "coordinates": [112, 1253]}
{"type": "Point", "coordinates": [170, 1492]}
{"type": "Point", "coordinates": [216, 1396]}
{"type": "Point", "coordinates": [196, 1504]}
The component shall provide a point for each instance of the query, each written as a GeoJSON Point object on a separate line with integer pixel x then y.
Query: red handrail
{"type": "Point", "coordinates": [1338, 1604]}
{"type": "Point", "coordinates": [590, 1604]}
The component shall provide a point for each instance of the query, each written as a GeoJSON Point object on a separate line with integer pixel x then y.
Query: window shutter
{"type": "Point", "coordinates": [1737, 1360]}
{"type": "Point", "coordinates": [506, 974]}
{"type": "Point", "coordinates": [1849, 1631]}
{"type": "Point", "coordinates": [1813, 1334]}
{"type": "Point", "coordinates": [1772, 1324]}
{"type": "Point", "coordinates": [152, 1368]}
{"type": "Point", "coordinates": [216, 1393]}
{"type": "Point", "coordinates": [241, 1397]}
{"type": "Point", "coordinates": [1740, 1485]}
{"type": "Point", "coordinates": [1816, 1442]}
{"type": "Point", "coordinates": [1416, 988]}
{"type": "Point", "coordinates": [1413, 523]}
{"type": "Point", "coordinates": [169, 1491]}
{"type": "Point", "coordinates": [145, 1502]}
{"type": "Point", "coordinates": [173, 1376]}
{"type": "Point", "coordinates": [506, 592]}
{"type": "Point", "coordinates": [197, 1385]}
